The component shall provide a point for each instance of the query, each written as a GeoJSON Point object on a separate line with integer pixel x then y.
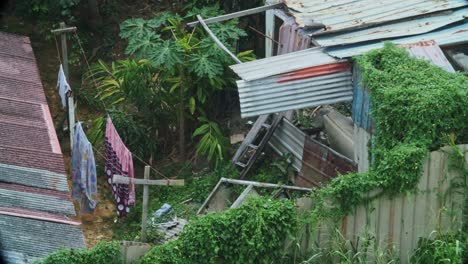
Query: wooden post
{"type": "Point", "coordinates": [70, 102]}
{"type": "Point", "coordinates": [144, 214]}
{"type": "Point", "coordinates": [146, 182]}
{"type": "Point", "coordinates": [63, 38]}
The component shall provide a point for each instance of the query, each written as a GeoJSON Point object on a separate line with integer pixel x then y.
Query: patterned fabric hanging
{"type": "Point", "coordinates": [83, 171]}
{"type": "Point", "coordinates": [119, 162]}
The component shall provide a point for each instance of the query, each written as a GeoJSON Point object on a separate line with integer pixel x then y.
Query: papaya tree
{"type": "Point", "coordinates": [172, 75]}
{"type": "Point", "coordinates": [187, 60]}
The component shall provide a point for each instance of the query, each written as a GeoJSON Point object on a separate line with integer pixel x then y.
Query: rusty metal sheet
{"type": "Point", "coordinates": [340, 15]}
{"type": "Point", "coordinates": [307, 87]}
{"type": "Point", "coordinates": [285, 63]}
{"type": "Point", "coordinates": [397, 29]}
{"type": "Point", "coordinates": [320, 164]}
{"type": "Point", "coordinates": [430, 51]}
{"type": "Point", "coordinates": [446, 36]}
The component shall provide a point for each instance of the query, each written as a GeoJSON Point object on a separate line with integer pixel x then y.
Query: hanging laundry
{"type": "Point", "coordinates": [83, 171]}
{"type": "Point", "coordinates": [119, 162]}
{"type": "Point", "coordinates": [63, 86]}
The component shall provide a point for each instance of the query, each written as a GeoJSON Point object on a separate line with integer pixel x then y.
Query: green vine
{"type": "Point", "coordinates": [252, 233]}
{"type": "Point", "coordinates": [415, 105]}
{"type": "Point", "coordinates": [103, 252]}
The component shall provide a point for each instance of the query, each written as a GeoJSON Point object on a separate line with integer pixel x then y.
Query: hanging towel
{"type": "Point", "coordinates": [63, 86]}
{"type": "Point", "coordinates": [83, 171]}
{"type": "Point", "coordinates": [119, 162]}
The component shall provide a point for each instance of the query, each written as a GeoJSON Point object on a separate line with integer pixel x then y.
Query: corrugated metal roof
{"type": "Point", "coordinates": [341, 15]}
{"type": "Point", "coordinates": [33, 177]}
{"type": "Point", "coordinates": [17, 196]}
{"type": "Point", "coordinates": [397, 29]}
{"type": "Point", "coordinates": [300, 89]}
{"type": "Point", "coordinates": [34, 193]}
{"type": "Point", "coordinates": [451, 35]}
{"type": "Point", "coordinates": [35, 238]}
{"type": "Point", "coordinates": [276, 65]}
{"type": "Point", "coordinates": [430, 51]}
{"type": "Point", "coordinates": [171, 230]}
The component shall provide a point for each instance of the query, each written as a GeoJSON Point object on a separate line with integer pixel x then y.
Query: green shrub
{"type": "Point", "coordinates": [444, 248]}
{"type": "Point", "coordinates": [103, 253]}
{"type": "Point", "coordinates": [252, 233]}
{"type": "Point", "coordinates": [415, 105]}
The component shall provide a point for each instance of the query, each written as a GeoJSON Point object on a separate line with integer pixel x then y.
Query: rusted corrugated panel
{"type": "Point", "coordinates": [280, 64]}
{"type": "Point", "coordinates": [430, 51]}
{"type": "Point", "coordinates": [320, 164]}
{"type": "Point", "coordinates": [450, 35]}
{"type": "Point", "coordinates": [288, 139]}
{"type": "Point", "coordinates": [397, 29]}
{"type": "Point", "coordinates": [291, 37]}
{"type": "Point", "coordinates": [400, 221]}
{"type": "Point", "coordinates": [361, 106]}
{"type": "Point", "coordinates": [342, 15]}
{"type": "Point", "coordinates": [307, 87]}
{"type": "Point", "coordinates": [361, 140]}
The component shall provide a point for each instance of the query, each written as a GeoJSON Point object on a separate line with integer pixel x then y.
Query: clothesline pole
{"type": "Point", "coordinates": [146, 182]}
{"type": "Point", "coordinates": [144, 214]}
{"type": "Point", "coordinates": [70, 104]}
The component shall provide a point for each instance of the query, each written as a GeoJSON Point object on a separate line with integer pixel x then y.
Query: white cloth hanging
{"type": "Point", "coordinates": [63, 86]}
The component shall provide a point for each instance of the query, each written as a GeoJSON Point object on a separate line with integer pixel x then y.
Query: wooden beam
{"type": "Point", "coordinates": [249, 138]}
{"type": "Point", "coordinates": [63, 30]}
{"type": "Point", "coordinates": [119, 179]}
{"type": "Point", "coordinates": [210, 196]}
{"type": "Point", "coordinates": [265, 185]}
{"type": "Point", "coordinates": [237, 14]}
{"type": "Point", "coordinates": [144, 214]}
{"type": "Point", "coordinates": [217, 41]}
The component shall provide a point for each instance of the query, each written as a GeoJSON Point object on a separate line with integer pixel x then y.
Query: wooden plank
{"type": "Point", "coordinates": [237, 14]}
{"type": "Point", "coordinates": [71, 119]}
{"type": "Point", "coordinates": [63, 30]}
{"type": "Point", "coordinates": [245, 195]}
{"type": "Point", "coordinates": [216, 40]}
{"type": "Point", "coordinates": [144, 214]}
{"type": "Point", "coordinates": [407, 224]}
{"type": "Point", "coordinates": [250, 137]}
{"type": "Point", "coordinates": [262, 145]}
{"type": "Point", "coordinates": [420, 204]}
{"type": "Point", "coordinates": [210, 196]}
{"type": "Point", "coordinates": [119, 179]}
{"type": "Point", "coordinates": [265, 185]}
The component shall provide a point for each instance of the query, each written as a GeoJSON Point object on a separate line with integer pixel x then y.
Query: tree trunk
{"type": "Point", "coordinates": [94, 18]}
{"type": "Point", "coordinates": [181, 124]}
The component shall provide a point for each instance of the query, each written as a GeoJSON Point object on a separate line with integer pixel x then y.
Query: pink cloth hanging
{"type": "Point", "coordinates": [119, 162]}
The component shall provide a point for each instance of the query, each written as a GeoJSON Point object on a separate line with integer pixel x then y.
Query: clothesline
{"type": "Point", "coordinates": [105, 107]}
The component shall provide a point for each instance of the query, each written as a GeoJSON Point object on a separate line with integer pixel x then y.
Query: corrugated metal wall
{"type": "Point", "coordinates": [289, 139]}
{"type": "Point", "coordinates": [401, 220]}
